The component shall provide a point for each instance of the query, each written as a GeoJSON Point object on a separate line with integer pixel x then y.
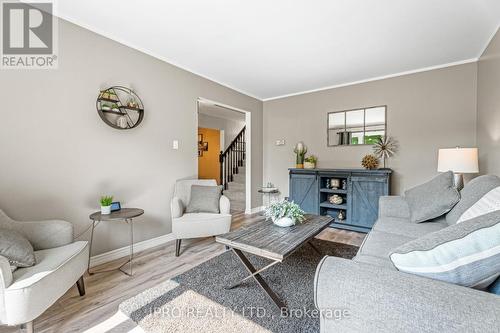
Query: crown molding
{"type": "Point", "coordinates": [164, 59]}
{"type": "Point", "coordinates": [414, 71]}
{"type": "Point", "coordinates": [488, 42]}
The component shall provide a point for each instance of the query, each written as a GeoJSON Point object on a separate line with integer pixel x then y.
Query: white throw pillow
{"type": "Point", "coordinates": [467, 253]}
{"type": "Point", "coordinates": [487, 204]}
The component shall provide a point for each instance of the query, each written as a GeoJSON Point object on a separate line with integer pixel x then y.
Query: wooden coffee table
{"type": "Point", "coordinates": [267, 240]}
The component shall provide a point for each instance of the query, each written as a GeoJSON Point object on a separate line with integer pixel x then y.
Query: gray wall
{"type": "Point", "coordinates": [488, 108]}
{"type": "Point", "coordinates": [58, 157]}
{"type": "Point", "coordinates": [426, 111]}
{"type": "Point", "coordinates": [231, 127]}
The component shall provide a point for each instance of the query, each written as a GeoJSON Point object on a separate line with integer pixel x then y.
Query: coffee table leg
{"type": "Point", "coordinates": [260, 281]}
{"type": "Point", "coordinates": [314, 247]}
{"type": "Point", "coordinates": [252, 275]}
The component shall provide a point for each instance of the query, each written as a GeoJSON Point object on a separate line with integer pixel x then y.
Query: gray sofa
{"type": "Point", "coordinates": [368, 294]}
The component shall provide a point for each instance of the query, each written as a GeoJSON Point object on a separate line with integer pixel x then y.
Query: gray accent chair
{"type": "Point", "coordinates": [60, 263]}
{"type": "Point", "coordinates": [195, 225]}
{"type": "Point", "coordinates": [378, 298]}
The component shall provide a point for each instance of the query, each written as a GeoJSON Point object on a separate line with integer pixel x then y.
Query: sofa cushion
{"type": "Point", "coordinates": [381, 244]}
{"type": "Point", "coordinates": [466, 253]}
{"type": "Point", "coordinates": [204, 199]}
{"type": "Point", "coordinates": [470, 194]}
{"type": "Point", "coordinates": [405, 227]}
{"type": "Point", "coordinates": [393, 206]}
{"type": "Point", "coordinates": [194, 225]}
{"type": "Point", "coordinates": [433, 198]}
{"type": "Point", "coordinates": [372, 260]}
{"type": "Point", "coordinates": [16, 248]}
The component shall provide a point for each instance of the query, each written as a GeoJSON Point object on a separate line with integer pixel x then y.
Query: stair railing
{"type": "Point", "coordinates": [232, 158]}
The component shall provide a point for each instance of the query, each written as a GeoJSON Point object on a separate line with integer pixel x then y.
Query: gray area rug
{"type": "Point", "coordinates": [196, 301]}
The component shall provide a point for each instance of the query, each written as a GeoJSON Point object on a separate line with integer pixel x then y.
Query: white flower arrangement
{"type": "Point", "coordinates": [284, 209]}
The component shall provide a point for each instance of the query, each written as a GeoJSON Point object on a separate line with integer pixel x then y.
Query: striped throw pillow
{"type": "Point", "coordinates": [467, 253]}
{"type": "Point", "coordinates": [488, 203]}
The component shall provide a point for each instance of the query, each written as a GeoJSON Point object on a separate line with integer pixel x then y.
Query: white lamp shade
{"type": "Point", "coordinates": [458, 160]}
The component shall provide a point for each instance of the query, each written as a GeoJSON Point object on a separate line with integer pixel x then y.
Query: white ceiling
{"type": "Point", "coordinates": [215, 110]}
{"type": "Point", "coordinates": [274, 48]}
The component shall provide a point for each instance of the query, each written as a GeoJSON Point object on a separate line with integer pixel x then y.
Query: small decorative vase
{"type": "Point", "coordinates": [309, 165]}
{"type": "Point", "coordinates": [284, 222]}
{"type": "Point", "coordinates": [122, 122]}
{"type": "Point", "coordinates": [336, 199]}
{"type": "Point", "coordinates": [341, 215]}
{"type": "Point", "coordinates": [105, 210]}
{"type": "Point", "coordinates": [334, 183]}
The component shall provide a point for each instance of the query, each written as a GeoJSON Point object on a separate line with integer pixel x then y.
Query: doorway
{"type": "Point", "coordinates": [224, 150]}
{"type": "Point", "coordinates": [208, 159]}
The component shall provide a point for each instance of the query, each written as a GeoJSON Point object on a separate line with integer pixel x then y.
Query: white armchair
{"type": "Point", "coordinates": [60, 263]}
{"type": "Point", "coordinates": [194, 225]}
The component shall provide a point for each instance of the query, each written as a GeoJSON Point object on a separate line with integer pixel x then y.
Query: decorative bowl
{"type": "Point", "coordinates": [284, 222]}
{"type": "Point", "coordinates": [336, 199]}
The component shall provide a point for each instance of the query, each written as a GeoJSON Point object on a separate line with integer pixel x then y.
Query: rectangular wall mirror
{"type": "Point", "coordinates": [356, 127]}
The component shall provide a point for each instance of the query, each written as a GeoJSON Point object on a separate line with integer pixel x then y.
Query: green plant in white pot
{"type": "Point", "coordinates": [310, 162]}
{"type": "Point", "coordinates": [106, 202]}
{"type": "Point", "coordinates": [284, 213]}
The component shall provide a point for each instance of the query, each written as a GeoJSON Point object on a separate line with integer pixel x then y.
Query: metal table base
{"type": "Point", "coordinates": [255, 274]}
{"type": "Point", "coordinates": [126, 216]}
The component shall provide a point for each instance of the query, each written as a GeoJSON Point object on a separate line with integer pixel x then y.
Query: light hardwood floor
{"type": "Point", "coordinates": [97, 310]}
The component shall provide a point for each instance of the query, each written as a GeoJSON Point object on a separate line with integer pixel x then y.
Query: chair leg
{"type": "Point", "coordinates": [177, 247]}
{"type": "Point", "coordinates": [80, 284]}
{"type": "Point", "coordinates": [28, 327]}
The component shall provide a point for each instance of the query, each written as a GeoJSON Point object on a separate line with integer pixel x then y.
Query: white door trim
{"type": "Point", "coordinates": [248, 148]}
{"type": "Point", "coordinates": [222, 143]}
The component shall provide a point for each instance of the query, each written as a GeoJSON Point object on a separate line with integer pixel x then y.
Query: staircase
{"type": "Point", "coordinates": [232, 172]}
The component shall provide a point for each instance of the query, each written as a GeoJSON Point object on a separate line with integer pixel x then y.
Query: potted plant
{"type": "Point", "coordinates": [300, 150]}
{"type": "Point", "coordinates": [115, 108]}
{"type": "Point", "coordinates": [105, 107]}
{"type": "Point", "coordinates": [112, 94]}
{"type": "Point", "coordinates": [310, 162]}
{"type": "Point", "coordinates": [284, 213]}
{"type": "Point", "coordinates": [106, 202]}
{"type": "Point", "coordinates": [104, 94]}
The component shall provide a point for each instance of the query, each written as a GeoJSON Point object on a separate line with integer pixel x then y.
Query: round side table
{"type": "Point", "coordinates": [268, 194]}
{"type": "Point", "coordinates": [124, 214]}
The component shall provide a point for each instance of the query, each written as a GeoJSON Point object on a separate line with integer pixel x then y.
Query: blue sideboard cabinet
{"type": "Point", "coordinates": [359, 189]}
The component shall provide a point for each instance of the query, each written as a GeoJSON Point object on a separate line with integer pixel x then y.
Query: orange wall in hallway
{"type": "Point", "coordinates": [208, 164]}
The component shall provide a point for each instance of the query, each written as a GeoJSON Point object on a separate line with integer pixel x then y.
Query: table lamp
{"type": "Point", "coordinates": [460, 161]}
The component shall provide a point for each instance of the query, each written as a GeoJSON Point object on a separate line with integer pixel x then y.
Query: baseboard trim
{"type": "Point", "coordinates": [124, 251]}
{"type": "Point", "coordinates": [255, 210]}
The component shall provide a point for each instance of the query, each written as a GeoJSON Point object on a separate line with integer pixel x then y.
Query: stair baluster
{"type": "Point", "coordinates": [232, 159]}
